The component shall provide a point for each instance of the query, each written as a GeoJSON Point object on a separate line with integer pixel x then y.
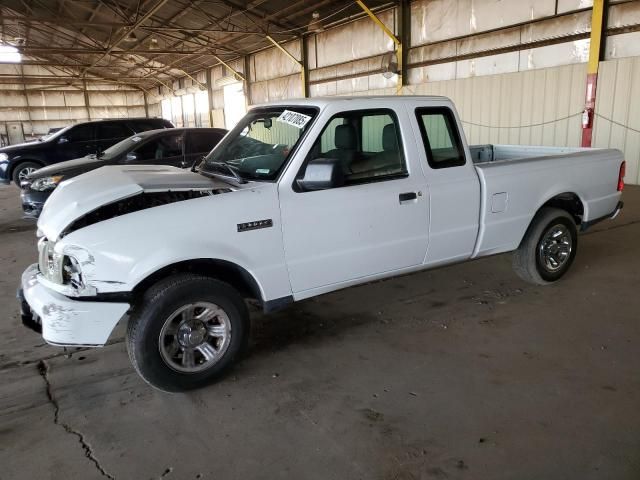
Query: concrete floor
{"type": "Point", "coordinates": [463, 372]}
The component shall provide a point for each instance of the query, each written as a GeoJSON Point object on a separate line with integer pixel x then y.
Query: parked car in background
{"type": "Point", "coordinates": [365, 188]}
{"type": "Point", "coordinates": [74, 141]}
{"type": "Point", "coordinates": [178, 147]}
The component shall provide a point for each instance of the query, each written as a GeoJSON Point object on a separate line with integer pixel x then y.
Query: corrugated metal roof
{"type": "Point", "coordinates": [147, 42]}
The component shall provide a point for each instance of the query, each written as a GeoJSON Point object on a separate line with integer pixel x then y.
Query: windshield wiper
{"type": "Point", "coordinates": [229, 168]}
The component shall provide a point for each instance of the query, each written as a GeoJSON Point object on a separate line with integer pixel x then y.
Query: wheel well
{"type": "Point", "coordinates": [570, 202]}
{"type": "Point", "coordinates": [21, 161]}
{"type": "Point", "coordinates": [228, 272]}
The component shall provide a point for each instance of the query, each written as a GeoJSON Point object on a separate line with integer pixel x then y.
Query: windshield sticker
{"type": "Point", "coordinates": [262, 171]}
{"type": "Point", "coordinates": [295, 119]}
{"type": "Point", "coordinates": [136, 139]}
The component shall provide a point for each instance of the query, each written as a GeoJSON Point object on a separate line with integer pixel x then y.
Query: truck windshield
{"type": "Point", "coordinates": [259, 146]}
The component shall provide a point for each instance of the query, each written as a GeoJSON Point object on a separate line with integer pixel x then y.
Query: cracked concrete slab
{"type": "Point", "coordinates": [462, 372]}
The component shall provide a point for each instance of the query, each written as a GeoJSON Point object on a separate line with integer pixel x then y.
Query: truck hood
{"type": "Point", "coordinates": [78, 196]}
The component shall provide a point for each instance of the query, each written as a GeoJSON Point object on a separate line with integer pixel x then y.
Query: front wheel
{"type": "Point", "coordinates": [22, 171]}
{"type": "Point", "coordinates": [548, 248]}
{"type": "Point", "coordinates": [186, 332]}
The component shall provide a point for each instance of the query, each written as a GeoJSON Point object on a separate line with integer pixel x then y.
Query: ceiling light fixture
{"type": "Point", "coordinates": [153, 44]}
{"type": "Point", "coordinates": [131, 37]}
{"type": "Point", "coordinates": [315, 25]}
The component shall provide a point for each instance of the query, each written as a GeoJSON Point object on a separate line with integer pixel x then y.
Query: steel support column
{"type": "Point", "coordinates": [596, 54]}
{"type": "Point", "coordinates": [210, 95]}
{"type": "Point", "coordinates": [247, 81]}
{"type": "Point", "coordinates": [86, 99]}
{"type": "Point", "coordinates": [146, 103]}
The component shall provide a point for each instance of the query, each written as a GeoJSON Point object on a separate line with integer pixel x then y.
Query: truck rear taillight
{"type": "Point", "coordinates": [621, 176]}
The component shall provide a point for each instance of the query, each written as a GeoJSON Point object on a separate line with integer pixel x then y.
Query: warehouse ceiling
{"type": "Point", "coordinates": [148, 43]}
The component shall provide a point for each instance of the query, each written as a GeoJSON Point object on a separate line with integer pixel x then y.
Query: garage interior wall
{"type": "Point", "coordinates": [31, 109]}
{"type": "Point", "coordinates": [516, 70]}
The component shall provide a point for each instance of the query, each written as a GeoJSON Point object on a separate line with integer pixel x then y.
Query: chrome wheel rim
{"type": "Point", "coordinates": [195, 337]}
{"type": "Point", "coordinates": [25, 172]}
{"type": "Point", "coordinates": [555, 248]}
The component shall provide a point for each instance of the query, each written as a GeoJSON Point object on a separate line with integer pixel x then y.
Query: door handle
{"type": "Point", "coordinates": [407, 197]}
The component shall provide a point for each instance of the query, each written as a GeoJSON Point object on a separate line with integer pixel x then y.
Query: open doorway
{"type": "Point", "coordinates": [235, 105]}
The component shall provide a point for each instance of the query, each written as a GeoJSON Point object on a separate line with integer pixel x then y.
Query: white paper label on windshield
{"type": "Point", "coordinates": [136, 139]}
{"type": "Point", "coordinates": [295, 119]}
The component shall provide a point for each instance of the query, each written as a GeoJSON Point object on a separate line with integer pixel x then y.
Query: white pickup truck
{"type": "Point", "coordinates": [303, 197]}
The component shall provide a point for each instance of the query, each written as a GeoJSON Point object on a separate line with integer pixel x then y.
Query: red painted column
{"type": "Point", "coordinates": [598, 15]}
{"type": "Point", "coordinates": [589, 109]}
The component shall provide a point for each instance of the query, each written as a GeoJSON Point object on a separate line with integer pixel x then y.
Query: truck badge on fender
{"type": "Point", "coordinates": [244, 227]}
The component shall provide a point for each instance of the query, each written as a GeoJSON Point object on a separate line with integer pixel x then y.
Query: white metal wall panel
{"type": "Point", "coordinates": [540, 107]}
{"type": "Point", "coordinates": [617, 123]}
{"type": "Point", "coordinates": [352, 41]}
{"type": "Point", "coordinates": [436, 20]}
{"type": "Point", "coordinates": [623, 45]}
{"type": "Point", "coordinates": [273, 63]}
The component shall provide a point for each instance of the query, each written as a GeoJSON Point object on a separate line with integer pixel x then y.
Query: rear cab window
{"type": "Point", "coordinates": [440, 136]}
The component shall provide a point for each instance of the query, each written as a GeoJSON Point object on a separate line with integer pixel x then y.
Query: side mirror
{"type": "Point", "coordinates": [132, 157]}
{"type": "Point", "coordinates": [63, 140]}
{"type": "Point", "coordinates": [322, 174]}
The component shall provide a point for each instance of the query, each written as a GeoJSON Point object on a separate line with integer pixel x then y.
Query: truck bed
{"type": "Point", "coordinates": [500, 153]}
{"type": "Point", "coordinates": [517, 180]}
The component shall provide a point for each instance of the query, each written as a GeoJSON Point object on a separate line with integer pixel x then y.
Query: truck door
{"type": "Point", "coordinates": [454, 187]}
{"type": "Point", "coordinates": [376, 223]}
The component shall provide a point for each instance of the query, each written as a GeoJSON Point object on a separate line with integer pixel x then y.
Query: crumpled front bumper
{"type": "Point", "coordinates": [32, 202]}
{"type": "Point", "coordinates": [66, 322]}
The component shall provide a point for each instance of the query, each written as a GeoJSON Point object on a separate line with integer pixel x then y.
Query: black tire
{"type": "Point", "coordinates": [528, 259]}
{"type": "Point", "coordinates": [21, 168]}
{"type": "Point", "coordinates": [156, 307]}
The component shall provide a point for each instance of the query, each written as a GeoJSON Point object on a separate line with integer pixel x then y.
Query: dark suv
{"type": "Point", "coordinates": [74, 141]}
{"type": "Point", "coordinates": [179, 147]}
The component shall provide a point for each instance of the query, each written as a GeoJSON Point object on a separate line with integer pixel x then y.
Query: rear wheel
{"type": "Point", "coordinates": [23, 170]}
{"type": "Point", "coordinates": [548, 248]}
{"type": "Point", "coordinates": [187, 331]}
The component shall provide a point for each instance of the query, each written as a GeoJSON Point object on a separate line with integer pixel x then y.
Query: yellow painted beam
{"type": "Point", "coordinates": [303, 73]}
{"type": "Point", "coordinates": [237, 74]}
{"type": "Point", "coordinates": [375, 18]}
{"type": "Point", "coordinates": [392, 36]}
{"type": "Point", "coordinates": [597, 19]}
{"type": "Point", "coordinates": [284, 50]}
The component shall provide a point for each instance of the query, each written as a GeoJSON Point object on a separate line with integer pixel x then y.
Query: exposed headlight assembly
{"type": "Point", "coordinates": [49, 261]}
{"type": "Point", "coordinates": [62, 270]}
{"type": "Point", "coordinates": [4, 157]}
{"type": "Point", "coordinates": [46, 183]}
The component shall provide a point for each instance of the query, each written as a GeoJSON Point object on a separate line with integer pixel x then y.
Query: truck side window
{"type": "Point", "coordinates": [367, 144]}
{"type": "Point", "coordinates": [440, 136]}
